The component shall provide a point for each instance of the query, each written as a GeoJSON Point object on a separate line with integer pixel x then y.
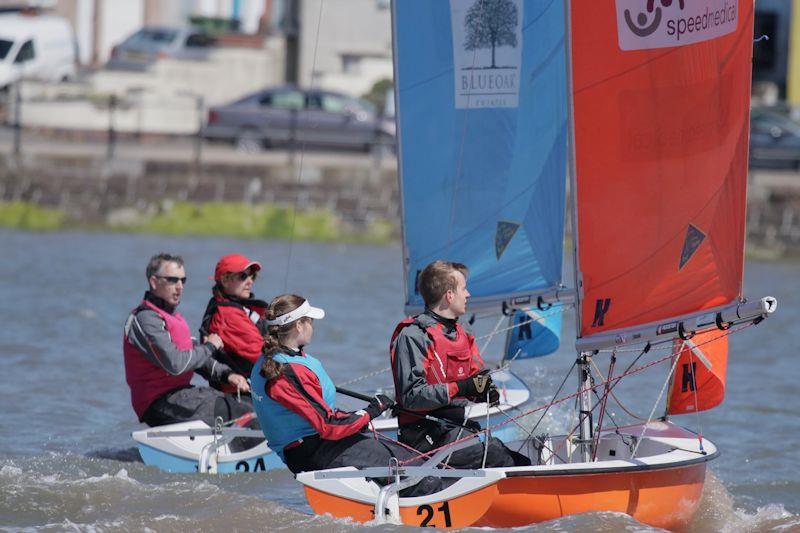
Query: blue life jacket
{"type": "Point", "coordinates": [280, 425]}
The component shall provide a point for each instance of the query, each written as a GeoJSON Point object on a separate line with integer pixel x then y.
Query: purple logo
{"type": "Point", "coordinates": [643, 24]}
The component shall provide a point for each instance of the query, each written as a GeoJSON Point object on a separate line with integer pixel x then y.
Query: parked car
{"type": "Point", "coordinates": [37, 47]}
{"type": "Point", "coordinates": [289, 115]}
{"type": "Point", "coordinates": [151, 43]}
{"type": "Point", "coordinates": [774, 140]}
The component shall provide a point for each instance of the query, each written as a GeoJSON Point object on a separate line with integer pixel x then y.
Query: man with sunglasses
{"type": "Point", "coordinates": [235, 314]}
{"type": "Point", "coordinates": [161, 356]}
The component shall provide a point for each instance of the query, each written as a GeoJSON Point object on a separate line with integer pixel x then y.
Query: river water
{"type": "Point", "coordinates": [67, 461]}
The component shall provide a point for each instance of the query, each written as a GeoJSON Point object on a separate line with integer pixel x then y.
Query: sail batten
{"type": "Point", "coordinates": [481, 89]}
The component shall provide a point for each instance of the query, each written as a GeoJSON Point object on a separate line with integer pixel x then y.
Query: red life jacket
{"type": "Point", "coordinates": [232, 319]}
{"type": "Point", "coordinates": [446, 360]}
{"type": "Point", "coordinates": [146, 380]}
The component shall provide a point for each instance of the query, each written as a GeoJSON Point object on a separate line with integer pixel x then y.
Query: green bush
{"type": "Point", "coordinates": [27, 216]}
{"type": "Point", "coordinates": [210, 219]}
{"type": "Point", "coordinates": [249, 221]}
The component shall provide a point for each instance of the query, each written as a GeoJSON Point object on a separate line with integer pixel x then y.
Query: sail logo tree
{"type": "Point", "coordinates": [491, 24]}
{"type": "Point", "coordinates": [487, 52]}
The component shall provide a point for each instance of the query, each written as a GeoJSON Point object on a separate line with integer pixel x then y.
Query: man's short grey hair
{"type": "Point", "coordinates": [157, 260]}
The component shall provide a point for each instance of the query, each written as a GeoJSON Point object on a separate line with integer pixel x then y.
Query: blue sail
{"type": "Point", "coordinates": [536, 333]}
{"type": "Point", "coordinates": [482, 117]}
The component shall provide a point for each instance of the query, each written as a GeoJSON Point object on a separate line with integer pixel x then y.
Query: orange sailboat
{"type": "Point", "coordinates": [653, 96]}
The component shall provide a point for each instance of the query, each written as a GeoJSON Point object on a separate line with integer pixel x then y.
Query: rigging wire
{"type": "Point", "coordinates": [302, 156]}
{"type": "Point", "coordinates": [603, 402]}
{"type": "Point", "coordinates": [558, 391]}
{"type": "Point", "coordinates": [575, 395]}
{"type": "Point", "coordinates": [696, 403]}
{"type": "Point", "coordinates": [540, 318]}
{"type": "Point", "coordinates": [617, 400]}
{"type": "Point", "coordinates": [655, 405]}
{"type": "Point", "coordinates": [491, 335]}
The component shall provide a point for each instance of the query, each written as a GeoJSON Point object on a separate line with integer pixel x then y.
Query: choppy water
{"type": "Point", "coordinates": [65, 448]}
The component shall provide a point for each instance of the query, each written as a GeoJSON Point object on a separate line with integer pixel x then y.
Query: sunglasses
{"type": "Point", "coordinates": [172, 280]}
{"type": "Point", "coordinates": [241, 276]}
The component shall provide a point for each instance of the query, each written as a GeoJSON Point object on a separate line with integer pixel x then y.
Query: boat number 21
{"type": "Point", "coordinates": [428, 512]}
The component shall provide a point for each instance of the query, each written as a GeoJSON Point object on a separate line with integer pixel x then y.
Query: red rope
{"type": "Point", "coordinates": [568, 397]}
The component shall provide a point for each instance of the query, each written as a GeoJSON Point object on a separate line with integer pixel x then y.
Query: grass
{"type": "Point", "coordinates": [28, 216]}
{"type": "Point", "coordinates": [227, 219]}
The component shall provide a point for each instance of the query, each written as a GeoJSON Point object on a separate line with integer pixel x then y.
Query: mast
{"type": "Point", "coordinates": [583, 358]}
{"type": "Point", "coordinates": [399, 147]}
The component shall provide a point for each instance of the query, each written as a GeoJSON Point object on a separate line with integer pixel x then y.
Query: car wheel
{"type": "Point", "coordinates": [249, 142]}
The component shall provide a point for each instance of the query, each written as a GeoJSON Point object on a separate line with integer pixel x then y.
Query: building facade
{"type": "Point", "coordinates": [345, 45]}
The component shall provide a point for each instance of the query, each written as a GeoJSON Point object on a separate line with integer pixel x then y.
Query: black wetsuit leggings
{"type": "Point", "coordinates": [427, 435]}
{"type": "Point", "coordinates": [361, 451]}
{"type": "Point", "coordinates": [358, 450]}
{"type": "Point", "coordinates": [206, 404]}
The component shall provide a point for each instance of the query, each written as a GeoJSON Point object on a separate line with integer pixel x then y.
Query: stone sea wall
{"type": "Point", "coordinates": [358, 190]}
{"type": "Point", "coordinates": [94, 191]}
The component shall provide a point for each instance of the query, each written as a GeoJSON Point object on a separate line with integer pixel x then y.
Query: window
{"type": "Point", "coordinates": [775, 125]}
{"type": "Point", "coordinates": [333, 104]}
{"type": "Point", "coordinates": [26, 53]}
{"type": "Point", "coordinates": [5, 46]}
{"type": "Point", "coordinates": [283, 100]}
{"type": "Point", "coordinates": [199, 40]}
{"type": "Point", "coordinates": [160, 36]}
{"type": "Point", "coordinates": [351, 64]}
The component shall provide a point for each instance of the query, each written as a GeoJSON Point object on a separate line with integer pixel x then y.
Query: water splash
{"type": "Point", "coordinates": [718, 513]}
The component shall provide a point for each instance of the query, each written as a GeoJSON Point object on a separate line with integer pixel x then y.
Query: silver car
{"type": "Point", "coordinates": [287, 115]}
{"type": "Point", "coordinates": [151, 43]}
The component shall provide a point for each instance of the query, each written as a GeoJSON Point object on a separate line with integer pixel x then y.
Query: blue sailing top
{"type": "Point", "coordinates": [280, 425]}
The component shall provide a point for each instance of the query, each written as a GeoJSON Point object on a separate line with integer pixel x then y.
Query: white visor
{"type": "Point", "coordinates": [305, 309]}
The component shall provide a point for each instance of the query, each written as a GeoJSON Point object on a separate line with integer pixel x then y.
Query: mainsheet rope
{"type": "Point", "coordinates": [614, 381]}
{"type": "Point", "coordinates": [614, 396]}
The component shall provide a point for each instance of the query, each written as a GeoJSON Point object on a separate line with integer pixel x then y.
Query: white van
{"type": "Point", "coordinates": [37, 47]}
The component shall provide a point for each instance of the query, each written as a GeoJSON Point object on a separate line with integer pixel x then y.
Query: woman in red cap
{"type": "Point", "coordinates": [234, 314]}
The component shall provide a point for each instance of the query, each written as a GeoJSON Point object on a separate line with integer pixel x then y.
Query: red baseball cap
{"type": "Point", "coordinates": [233, 263]}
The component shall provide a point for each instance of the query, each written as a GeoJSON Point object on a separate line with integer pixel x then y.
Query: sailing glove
{"type": "Point", "coordinates": [493, 396]}
{"type": "Point", "coordinates": [378, 405]}
{"type": "Point", "coordinates": [475, 386]}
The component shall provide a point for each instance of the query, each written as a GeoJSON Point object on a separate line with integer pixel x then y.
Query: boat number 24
{"type": "Point", "coordinates": [428, 512]}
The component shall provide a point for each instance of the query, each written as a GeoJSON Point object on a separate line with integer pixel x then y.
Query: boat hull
{"type": "Point", "coordinates": [654, 473]}
{"type": "Point", "coordinates": [664, 498]}
{"type": "Point", "coordinates": [453, 513]}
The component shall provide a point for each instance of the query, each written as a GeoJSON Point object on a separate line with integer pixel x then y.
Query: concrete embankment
{"type": "Point", "coordinates": [773, 213]}
{"type": "Point", "coordinates": [351, 196]}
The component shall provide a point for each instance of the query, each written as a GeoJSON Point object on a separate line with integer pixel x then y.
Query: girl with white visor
{"type": "Point", "coordinates": [295, 401]}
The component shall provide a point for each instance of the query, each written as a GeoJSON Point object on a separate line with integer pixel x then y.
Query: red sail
{"type": "Point", "coordinates": [661, 136]}
{"type": "Point", "coordinates": [695, 387]}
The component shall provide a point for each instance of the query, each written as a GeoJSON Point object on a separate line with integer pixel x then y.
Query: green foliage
{"type": "Point", "coordinates": [27, 216]}
{"type": "Point", "coordinates": [377, 95]}
{"type": "Point", "coordinates": [251, 221]}
{"type": "Point", "coordinates": [210, 219]}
